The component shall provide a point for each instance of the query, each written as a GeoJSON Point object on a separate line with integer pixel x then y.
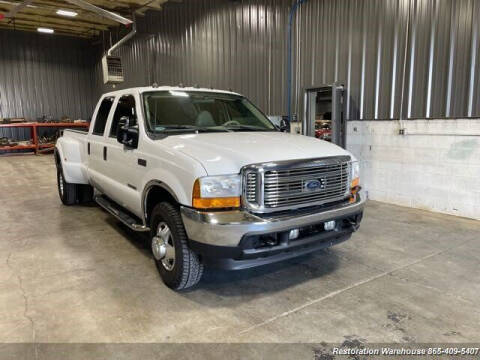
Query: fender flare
{"type": "Point", "coordinates": [146, 190]}
{"type": "Point", "coordinates": [57, 156]}
{"type": "Point", "coordinates": [73, 168]}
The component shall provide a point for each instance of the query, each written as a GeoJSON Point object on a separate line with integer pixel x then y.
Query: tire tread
{"type": "Point", "coordinates": [69, 190]}
{"type": "Point", "coordinates": [192, 269]}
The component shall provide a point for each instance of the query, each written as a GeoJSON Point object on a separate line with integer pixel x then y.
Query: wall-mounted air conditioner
{"type": "Point", "coordinates": [112, 69]}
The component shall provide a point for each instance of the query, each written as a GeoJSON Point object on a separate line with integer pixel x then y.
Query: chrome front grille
{"type": "Point", "coordinates": [294, 184]}
{"type": "Point", "coordinates": [290, 187]}
{"type": "Point", "coordinates": [251, 187]}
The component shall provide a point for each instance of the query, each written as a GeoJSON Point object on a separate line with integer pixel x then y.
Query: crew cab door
{"type": "Point", "coordinates": [123, 168]}
{"type": "Point", "coordinates": [95, 146]}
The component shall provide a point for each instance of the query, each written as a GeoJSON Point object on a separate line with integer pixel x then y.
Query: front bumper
{"type": "Point", "coordinates": [238, 240]}
{"type": "Point", "coordinates": [228, 228]}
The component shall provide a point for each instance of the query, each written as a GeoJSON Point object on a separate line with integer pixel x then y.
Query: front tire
{"type": "Point", "coordinates": [178, 265]}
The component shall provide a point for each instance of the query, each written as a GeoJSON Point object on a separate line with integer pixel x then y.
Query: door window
{"type": "Point", "coordinates": [102, 116]}
{"type": "Point", "coordinates": [125, 107]}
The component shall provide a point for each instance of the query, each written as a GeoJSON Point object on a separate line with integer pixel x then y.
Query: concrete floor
{"type": "Point", "coordinates": [74, 274]}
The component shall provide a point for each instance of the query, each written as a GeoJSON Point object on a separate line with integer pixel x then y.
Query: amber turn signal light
{"type": "Point", "coordinates": [354, 191]}
{"type": "Point", "coordinates": [355, 183]}
{"type": "Point", "coordinates": [212, 203]}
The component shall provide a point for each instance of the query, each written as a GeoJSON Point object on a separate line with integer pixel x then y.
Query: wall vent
{"type": "Point", "coordinates": [112, 69]}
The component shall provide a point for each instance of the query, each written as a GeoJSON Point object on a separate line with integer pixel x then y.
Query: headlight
{"type": "Point", "coordinates": [214, 192]}
{"type": "Point", "coordinates": [355, 174]}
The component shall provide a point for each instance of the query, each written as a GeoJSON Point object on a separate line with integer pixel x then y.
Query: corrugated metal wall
{"type": "Point", "coordinates": [424, 51]}
{"type": "Point", "coordinates": [442, 74]}
{"type": "Point", "coordinates": [359, 44]}
{"type": "Point", "coordinates": [45, 75]}
{"type": "Point", "coordinates": [214, 43]}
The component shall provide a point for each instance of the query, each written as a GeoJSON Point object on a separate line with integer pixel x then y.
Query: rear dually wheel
{"type": "Point", "coordinates": [66, 191]}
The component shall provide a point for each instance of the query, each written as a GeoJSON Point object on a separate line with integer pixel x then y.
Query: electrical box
{"type": "Point", "coordinates": [112, 69]}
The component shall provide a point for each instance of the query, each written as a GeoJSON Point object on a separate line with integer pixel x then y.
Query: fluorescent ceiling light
{"type": "Point", "coordinates": [66, 13]}
{"type": "Point", "coordinates": [45, 30]}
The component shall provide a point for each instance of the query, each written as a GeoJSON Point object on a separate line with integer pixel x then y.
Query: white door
{"type": "Point", "coordinates": [123, 169]}
{"type": "Point", "coordinates": [96, 145]}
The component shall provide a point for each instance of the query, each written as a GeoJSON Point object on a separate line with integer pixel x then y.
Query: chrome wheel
{"type": "Point", "coordinates": [60, 182]}
{"type": "Point", "coordinates": [162, 246]}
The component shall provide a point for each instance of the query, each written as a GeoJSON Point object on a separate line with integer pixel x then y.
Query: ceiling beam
{"type": "Point", "coordinates": [22, 27]}
{"type": "Point", "coordinates": [56, 27]}
{"type": "Point", "coordinates": [80, 19]}
{"type": "Point", "coordinates": [150, 5]}
{"type": "Point", "coordinates": [53, 21]}
{"type": "Point", "coordinates": [92, 17]}
{"type": "Point", "coordinates": [48, 8]}
{"type": "Point", "coordinates": [53, 6]}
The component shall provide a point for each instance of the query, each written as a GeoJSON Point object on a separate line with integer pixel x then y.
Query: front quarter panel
{"type": "Point", "coordinates": [175, 170]}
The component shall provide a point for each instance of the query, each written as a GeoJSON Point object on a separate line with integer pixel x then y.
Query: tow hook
{"type": "Point", "coordinates": [355, 222]}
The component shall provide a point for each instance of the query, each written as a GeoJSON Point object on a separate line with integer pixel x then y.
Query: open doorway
{"type": "Point", "coordinates": [323, 116]}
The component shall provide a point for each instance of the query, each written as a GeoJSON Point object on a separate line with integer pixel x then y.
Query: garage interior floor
{"type": "Point", "coordinates": [74, 274]}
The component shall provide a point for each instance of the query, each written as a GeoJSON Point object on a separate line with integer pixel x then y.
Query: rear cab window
{"type": "Point", "coordinates": [102, 115]}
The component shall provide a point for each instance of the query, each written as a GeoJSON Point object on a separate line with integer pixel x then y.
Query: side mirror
{"type": "Point", "coordinates": [126, 134]}
{"type": "Point", "coordinates": [284, 125]}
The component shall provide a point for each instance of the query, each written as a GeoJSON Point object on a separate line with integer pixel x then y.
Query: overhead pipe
{"type": "Point", "coordinates": [125, 38]}
{"type": "Point", "coordinates": [17, 8]}
{"type": "Point", "coordinates": [102, 12]}
{"type": "Point", "coordinates": [289, 57]}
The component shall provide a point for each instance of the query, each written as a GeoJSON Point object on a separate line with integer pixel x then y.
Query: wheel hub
{"type": "Point", "coordinates": [162, 246]}
{"type": "Point", "coordinates": [60, 182]}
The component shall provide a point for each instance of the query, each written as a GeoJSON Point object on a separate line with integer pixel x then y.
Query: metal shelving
{"type": "Point", "coordinates": [35, 146]}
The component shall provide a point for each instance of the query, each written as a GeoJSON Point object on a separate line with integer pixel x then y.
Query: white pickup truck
{"type": "Point", "coordinates": [211, 179]}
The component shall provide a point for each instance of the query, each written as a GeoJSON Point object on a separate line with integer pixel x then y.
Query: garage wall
{"type": "Point", "coordinates": [435, 166]}
{"type": "Point", "coordinates": [424, 52]}
{"type": "Point", "coordinates": [237, 45]}
{"type": "Point", "coordinates": [45, 75]}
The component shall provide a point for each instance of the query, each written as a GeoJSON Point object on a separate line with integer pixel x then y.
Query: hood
{"type": "Point", "coordinates": [227, 153]}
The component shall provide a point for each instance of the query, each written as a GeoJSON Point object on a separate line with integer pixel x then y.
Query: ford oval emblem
{"type": "Point", "coordinates": [312, 185]}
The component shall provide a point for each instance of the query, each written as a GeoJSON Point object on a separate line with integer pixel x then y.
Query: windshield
{"type": "Point", "coordinates": [180, 111]}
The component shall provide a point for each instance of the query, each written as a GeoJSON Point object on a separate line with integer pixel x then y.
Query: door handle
{"type": "Point", "coordinates": [105, 153]}
{"type": "Point", "coordinates": [88, 148]}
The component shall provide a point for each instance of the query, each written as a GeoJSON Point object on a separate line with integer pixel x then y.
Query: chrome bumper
{"type": "Point", "coordinates": [226, 228]}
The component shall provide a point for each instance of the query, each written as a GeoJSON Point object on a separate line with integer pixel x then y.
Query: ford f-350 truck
{"type": "Point", "coordinates": [211, 179]}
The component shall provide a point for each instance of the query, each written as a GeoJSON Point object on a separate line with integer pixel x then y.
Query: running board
{"type": "Point", "coordinates": [120, 214]}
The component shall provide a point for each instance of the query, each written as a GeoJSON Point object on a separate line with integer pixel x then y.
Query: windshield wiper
{"type": "Point", "coordinates": [241, 127]}
{"type": "Point", "coordinates": [182, 128]}
{"type": "Point", "coordinates": [175, 127]}
{"type": "Point", "coordinates": [213, 129]}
